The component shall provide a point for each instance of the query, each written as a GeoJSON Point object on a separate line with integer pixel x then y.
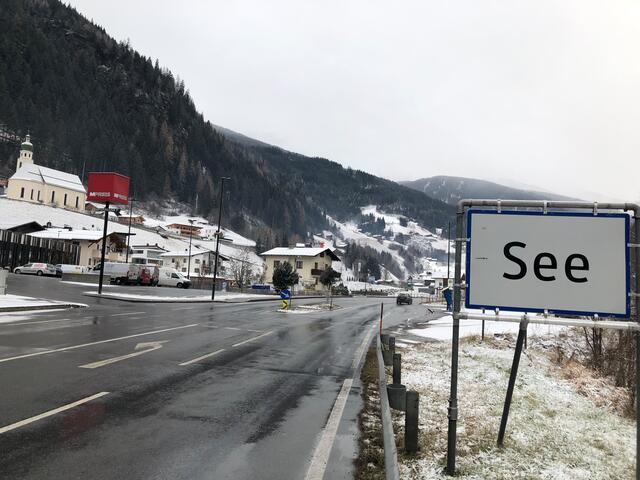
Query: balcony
{"type": "Point", "coordinates": [316, 272]}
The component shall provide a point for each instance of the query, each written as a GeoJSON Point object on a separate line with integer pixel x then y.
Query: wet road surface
{"type": "Point", "coordinates": [179, 391]}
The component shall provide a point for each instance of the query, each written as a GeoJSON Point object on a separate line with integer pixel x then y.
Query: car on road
{"type": "Point", "coordinates": [38, 269]}
{"type": "Point", "coordinates": [170, 277]}
{"type": "Point", "coordinates": [404, 298]}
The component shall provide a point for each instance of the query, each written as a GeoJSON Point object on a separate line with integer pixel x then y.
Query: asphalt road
{"type": "Point", "coordinates": [181, 391]}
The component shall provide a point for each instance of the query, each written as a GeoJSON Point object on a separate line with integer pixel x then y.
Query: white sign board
{"type": "Point", "coordinates": [563, 262]}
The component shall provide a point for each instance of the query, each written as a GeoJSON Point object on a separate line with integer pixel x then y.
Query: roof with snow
{"type": "Point", "coordinates": [66, 234]}
{"type": "Point", "coordinates": [194, 252]}
{"type": "Point", "coordinates": [299, 252]}
{"type": "Point", "coordinates": [49, 176]}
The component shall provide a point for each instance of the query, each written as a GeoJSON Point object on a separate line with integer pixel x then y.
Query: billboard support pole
{"type": "Point", "coordinates": [104, 246]}
{"type": "Point", "coordinates": [522, 335]}
{"type": "Point", "coordinates": [452, 411]}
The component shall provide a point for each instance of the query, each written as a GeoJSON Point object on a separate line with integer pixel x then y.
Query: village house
{"type": "Point", "coordinates": [147, 254]}
{"type": "Point", "coordinates": [135, 219]}
{"type": "Point", "coordinates": [90, 242]}
{"type": "Point", "coordinates": [201, 264]}
{"type": "Point", "coordinates": [308, 262]}
{"type": "Point", "coordinates": [184, 229]}
{"type": "Point", "coordinates": [33, 183]}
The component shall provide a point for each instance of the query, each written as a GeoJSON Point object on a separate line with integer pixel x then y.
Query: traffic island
{"type": "Point", "coordinates": [19, 303]}
{"type": "Point", "coordinates": [318, 307]}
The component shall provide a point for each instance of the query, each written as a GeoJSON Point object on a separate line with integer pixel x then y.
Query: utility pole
{"type": "Point", "coordinates": [448, 252]}
{"type": "Point", "coordinates": [104, 246]}
{"type": "Point", "coordinates": [190, 220]}
{"type": "Point", "coordinates": [218, 232]}
{"type": "Point", "coordinates": [129, 233]}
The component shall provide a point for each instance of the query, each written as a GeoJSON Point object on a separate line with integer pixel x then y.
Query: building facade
{"type": "Point", "coordinates": [201, 264]}
{"type": "Point", "coordinates": [308, 262]}
{"type": "Point", "coordinates": [33, 183]}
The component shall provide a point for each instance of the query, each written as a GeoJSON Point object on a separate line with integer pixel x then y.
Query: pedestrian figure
{"type": "Point", "coordinates": [448, 296]}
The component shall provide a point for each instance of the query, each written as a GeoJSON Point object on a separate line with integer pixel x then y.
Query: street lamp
{"type": "Point", "coordinates": [190, 220]}
{"type": "Point", "coordinates": [215, 267]}
{"type": "Point", "coordinates": [129, 233]}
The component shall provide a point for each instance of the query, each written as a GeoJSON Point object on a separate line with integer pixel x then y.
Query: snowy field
{"type": "Point", "coordinates": [554, 432]}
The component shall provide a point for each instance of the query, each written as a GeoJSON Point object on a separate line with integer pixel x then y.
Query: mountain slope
{"type": "Point", "coordinates": [91, 104]}
{"type": "Point", "coordinates": [452, 189]}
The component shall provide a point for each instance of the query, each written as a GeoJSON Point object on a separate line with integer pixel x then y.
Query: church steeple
{"type": "Point", "coordinates": [26, 153]}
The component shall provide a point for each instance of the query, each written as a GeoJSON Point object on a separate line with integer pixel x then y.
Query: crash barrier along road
{"type": "Point", "coordinates": [551, 259]}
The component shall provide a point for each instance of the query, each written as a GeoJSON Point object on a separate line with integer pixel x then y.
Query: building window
{"type": "Point", "coordinates": [276, 263]}
{"type": "Point", "coordinates": [22, 192]}
{"type": "Point", "coordinates": [298, 264]}
{"type": "Point", "coordinates": [31, 194]}
{"type": "Point", "coordinates": [315, 265]}
{"type": "Point", "coordinates": [65, 199]}
{"type": "Point", "coordinates": [38, 195]}
{"type": "Point", "coordinates": [197, 270]}
{"type": "Point", "coordinates": [184, 269]}
{"type": "Point", "coordinates": [77, 201]}
{"type": "Point", "coordinates": [53, 196]}
{"type": "Point", "coordinates": [197, 260]}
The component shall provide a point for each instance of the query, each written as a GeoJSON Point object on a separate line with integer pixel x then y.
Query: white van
{"type": "Point", "coordinates": [119, 272]}
{"type": "Point", "coordinates": [170, 277]}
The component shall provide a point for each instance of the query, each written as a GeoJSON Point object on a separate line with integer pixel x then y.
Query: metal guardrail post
{"type": "Point", "coordinates": [392, 471]}
{"type": "Point", "coordinates": [411, 419]}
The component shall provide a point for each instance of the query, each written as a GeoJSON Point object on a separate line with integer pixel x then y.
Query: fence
{"type": "Point", "coordinates": [18, 249]}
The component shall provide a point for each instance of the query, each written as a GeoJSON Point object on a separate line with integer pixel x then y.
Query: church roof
{"type": "Point", "coordinates": [49, 176]}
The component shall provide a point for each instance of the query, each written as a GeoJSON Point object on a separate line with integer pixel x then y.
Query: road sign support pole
{"type": "Point", "coordinates": [104, 247]}
{"type": "Point", "coordinates": [635, 257]}
{"type": "Point", "coordinates": [452, 412]}
{"type": "Point", "coordinates": [522, 333]}
{"type": "Point", "coordinates": [381, 313]}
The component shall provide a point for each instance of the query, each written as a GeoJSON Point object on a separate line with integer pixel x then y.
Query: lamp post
{"type": "Point", "coordinates": [215, 266]}
{"type": "Point", "coordinates": [448, 252]}
{"type": "Point", "coordinates": [190, 220]}
{"type": "Point", "coordinates": [129, 232]}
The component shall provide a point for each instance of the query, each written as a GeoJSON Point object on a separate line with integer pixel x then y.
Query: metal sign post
{"type": "Point", "coordinates": [555, 266]}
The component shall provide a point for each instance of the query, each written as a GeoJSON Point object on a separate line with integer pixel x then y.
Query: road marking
{"type": "Point", "coordinates": [69, 406]}
{"type": "Point", "coordinates": [185, 308]}
{"type": "Point", "coordinates": [211, 326]}
{"type": "Point", "coordinates": [323, 449]}
{"type": "Point", "coordinates": [321, 454]}
{"type": "Point", "coordinates": [141, 348]}
{"type": "Point", "coordinates": [233, 328]}
{"type": "Point", "coordinates": [251, 339]}
{"type": "Point", "coordinates": [127, 313]}
{"type": "Point", "coordinates": [189, 362]}
{"type": "Point", "coordinates": [8, 324]}
{"type": "Point", "coordinates": [73, 347]}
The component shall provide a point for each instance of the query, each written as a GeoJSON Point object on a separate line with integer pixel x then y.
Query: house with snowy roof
{"type": "Point", "coordinates": [33, 183]}
{"type": "Point", "coordinates": [308, 262]}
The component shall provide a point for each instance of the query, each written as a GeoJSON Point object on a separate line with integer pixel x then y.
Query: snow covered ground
{"type": "Point", "coordinates": [220, 297]}
{"type": "Point", "coordinates": [10, 302]}
{"type": "Point", "coordinates": [554, 432]}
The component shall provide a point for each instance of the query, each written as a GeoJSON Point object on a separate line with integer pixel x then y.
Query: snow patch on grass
{"type": "Point", "coordinates": [554, 432]}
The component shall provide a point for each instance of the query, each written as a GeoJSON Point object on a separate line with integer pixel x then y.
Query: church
{"type": "Point", "coordinates": [33, 183]}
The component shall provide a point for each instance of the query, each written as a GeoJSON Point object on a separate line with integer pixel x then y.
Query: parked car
{"type": "Point", "coordinates": [170, 277]}
{"type": "Point", "coordinates": [37, 269]}
{"type": "Point", "coordinates": [404, 298]}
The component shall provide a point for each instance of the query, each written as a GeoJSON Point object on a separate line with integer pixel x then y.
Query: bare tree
{"type": "Point", "coordinates": [241, 269]}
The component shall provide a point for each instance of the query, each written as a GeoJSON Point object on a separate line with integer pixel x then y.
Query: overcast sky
{"type": "Point", "coordinates": [542, 93]}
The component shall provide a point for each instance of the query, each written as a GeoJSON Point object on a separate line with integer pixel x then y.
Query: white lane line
{"type": "Point", "coordinates": [251, 339]}
{"type": "Point", "coordinates": [126, 313]}
{"type": "Point", "coordinates": [321, 455]}
{"type": "Point", "coordinates": [233, 328]}
{"type": "Point", "coordinates": [141, 349]}
{"type": "Point", "coordinates": [197, 359]}
{"type": "Point", "coordinates": [211, 326]}
{"type": "Point", "coordinates": [69, 406]}
{"type": "Point", "coordinates": [39, 321]}
{"type": "Point", "coordinates": [323, 449]}
{"type": "Point", "coordinates": [73, 347]}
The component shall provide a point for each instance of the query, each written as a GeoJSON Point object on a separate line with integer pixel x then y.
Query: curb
{"type": "Point", "coordinates": [392, 471]}
{"type": "Point", "coordinates": [151, 299]}
{"type": "Point", "coordinates": [41, 307]}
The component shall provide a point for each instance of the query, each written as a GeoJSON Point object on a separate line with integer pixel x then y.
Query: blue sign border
{"type": "Point", "coordinates": [472, 212]}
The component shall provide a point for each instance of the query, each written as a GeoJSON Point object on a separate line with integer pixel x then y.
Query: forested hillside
{"type": "Point", "coordinates": [91, 103]}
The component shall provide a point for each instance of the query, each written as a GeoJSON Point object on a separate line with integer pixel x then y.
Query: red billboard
{"type": "Point", "coordinates": [108, 187]}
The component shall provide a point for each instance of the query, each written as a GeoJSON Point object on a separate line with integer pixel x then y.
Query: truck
{"type": "Point", "coordinates": [129, 273]}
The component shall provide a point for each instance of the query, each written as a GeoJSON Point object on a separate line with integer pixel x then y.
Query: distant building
{"type": "Point", "coordinates": [308, 262]}
{"type": "Point", "coordinates": [90, 242]}
{"type": "Point", "coordinates": [202, 262]}
{"type": "Point", "coordinates": [4, 182]}
{"type": "Point", "coordinates": [135, 219]}
{"type": "Point", "coordinates": [33, 183]}
{"type": "Point", "coordinates": [147, 254]}
{"type": "Point", "coordinates": [184, 229]}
